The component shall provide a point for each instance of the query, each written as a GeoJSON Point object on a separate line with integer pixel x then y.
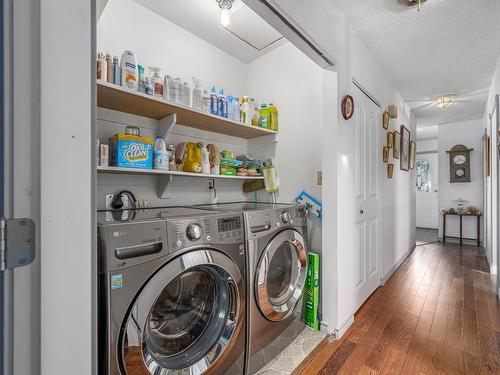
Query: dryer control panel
{"type": "Point", "coordinates": [214, 229]}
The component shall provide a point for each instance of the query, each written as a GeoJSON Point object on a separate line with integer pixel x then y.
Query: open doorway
{"type": "Point", "coordinates": [427, 184]}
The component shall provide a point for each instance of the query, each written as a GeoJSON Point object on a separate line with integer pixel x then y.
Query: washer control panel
{"type": "Point", "coordinates": [216, 229]}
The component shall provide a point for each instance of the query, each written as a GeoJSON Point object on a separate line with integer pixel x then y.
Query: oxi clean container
{"type": "Point", "coordinates": [131, 151]}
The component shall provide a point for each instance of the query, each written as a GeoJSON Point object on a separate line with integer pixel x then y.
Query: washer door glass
{"type": "Point", "coordinates": [281, 274]}
{"type": "Point", "coordinates": [184, 317]}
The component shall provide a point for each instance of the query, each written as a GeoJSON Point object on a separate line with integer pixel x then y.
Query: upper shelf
{"type": "Point", "coordinates": [118, 98]}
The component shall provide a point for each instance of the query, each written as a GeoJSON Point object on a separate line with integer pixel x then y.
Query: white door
{"type": "Point", "coordinates": [21, 179]}
{"type": "Point", "coordinates": [427, 210]}
{"type": "Point", "coordinates": [367, 240]}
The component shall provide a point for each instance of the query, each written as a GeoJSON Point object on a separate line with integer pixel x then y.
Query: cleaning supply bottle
{"type": "Point", "coordinates": [186, 94]}
{"type": "Point", "coordinates": [176, 90]}
{"type": "Point", "coordinates": [197, 96]}
{"type": "Point", "coordinates": [102, 67]}
{"type": "Point", "coordinates": [205, 161]}
{"type": "Point", "coordinates": [230, 108]}
{"type": "Point", "coordinates": [244, 110]}
{"type": "Point", "coordinates": [142, 79]}
{"type": "Point", "coordinates": [255, 114]}
{"type": "Point", "coordinates": [205, 101]}
{"type": "Point", "coordinates": [273, 117]}
{"type": "Point", "coordinates": [110, 68]}
{"type": "Point", "coordinates": [270, 177]}
{"type": "Point", "coordinates": [167, 88]}
{"type": "Point", "coordinates": [118, 71]}
{"type": "Point", "coordinates": [214, 101]}
{"type": "Point", "coordinates": [160, 156]}
{"type": "Point", "coordinates": [157, 81]}
{"type": "Point", "coordinates": [264, 116]}
{"type": "Point", "coordinates": [236, 109]}
{"type": "Point", "coordinates": [193, 157]}
{"type": "Point", "coordinates": [130, 75]}
{"type": "Point", "coordinates": [222, 104]}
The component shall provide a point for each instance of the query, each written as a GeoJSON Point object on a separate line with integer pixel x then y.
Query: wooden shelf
{"type": "Point", "coordinates": [121, 99]}
{"type": "Point", "coordinates": [159, 172]}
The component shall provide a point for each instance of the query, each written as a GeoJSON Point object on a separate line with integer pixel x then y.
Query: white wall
{"type": "Point", "coordinates": [295, 87]}
{"type": "Point", "coordinates": [426, 145]}
{"type": "Point", "coordinates": [331, 30]}
{"type": "Point", "coordinates": [468, 133]}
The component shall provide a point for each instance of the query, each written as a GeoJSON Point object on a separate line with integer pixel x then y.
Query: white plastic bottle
{"type": "Point", "coordinates": [196, 102]}
{"type": "Point", "coordinates": [167, 88]}
{"type": "Point", "coordinates": [205, 161]}
{"type": "Point", "coordinates": [161, 156]}
{"type": "Point", "coordinates": [186, 94]}
{"type": "Point", "coordinates": [176, 95]}
{"type": "Point", "coordinates": [130, 74]}
{"type": "Point", "coordinates": [157, 81]}
{"type": "Point", "coordinates": [205, 102]}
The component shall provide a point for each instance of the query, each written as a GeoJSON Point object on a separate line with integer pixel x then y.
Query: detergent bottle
{"type": "Point", "coordinates": [273, 117]}
{"type": "Point", "coordinates": [193, 157]}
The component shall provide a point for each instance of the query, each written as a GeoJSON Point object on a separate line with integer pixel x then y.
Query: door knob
{"type": "Point", "coordinates": [361, 212]}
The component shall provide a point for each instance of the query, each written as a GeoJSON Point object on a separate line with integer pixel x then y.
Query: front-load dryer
{"type": "Point", "coordinates": [172, 292]}
{"type": "Point", "coordinates": [277, 267]}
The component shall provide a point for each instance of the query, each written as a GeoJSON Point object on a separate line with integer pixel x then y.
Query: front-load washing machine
{"type": "Point", "coordinates": [172, 292]}
{"type": "Point", "coordinates": [277, 267]}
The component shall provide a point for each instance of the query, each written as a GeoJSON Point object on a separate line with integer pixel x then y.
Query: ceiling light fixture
{"type": "Point", "coordinates": [225, 6]}
{"type": "Point", "coordinates": [412, 3]}
{"type": "Point", "coordinates": [444, 100]}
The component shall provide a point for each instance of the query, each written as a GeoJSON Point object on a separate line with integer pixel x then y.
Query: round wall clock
{"type": "Point", "coordinates": [347, 107]}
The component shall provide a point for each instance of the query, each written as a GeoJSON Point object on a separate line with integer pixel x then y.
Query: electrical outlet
{"type": "Point", "coordinates": [319, 178]}
{"type": "Point", "coordinates": [211, 183]}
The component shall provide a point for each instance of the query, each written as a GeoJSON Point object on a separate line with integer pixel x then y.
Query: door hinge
{"type": "Point", "coordinates": [17, 242]}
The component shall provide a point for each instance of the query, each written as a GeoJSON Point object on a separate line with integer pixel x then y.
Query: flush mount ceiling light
{"type": "Point", "coordinates": [225, 6]}
{"type": "Point", "coordinates": [444, 100]}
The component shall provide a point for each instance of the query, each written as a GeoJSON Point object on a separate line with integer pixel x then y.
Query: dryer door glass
{"type": "Point", "coordinates": [185, 316]}
{"type": "Point", "coordinates": [281, 275]}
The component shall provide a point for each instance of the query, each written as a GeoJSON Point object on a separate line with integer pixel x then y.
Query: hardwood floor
{"type": "Point", "coordinates": [438, 314]}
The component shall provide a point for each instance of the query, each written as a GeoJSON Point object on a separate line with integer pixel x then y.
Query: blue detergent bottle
{"type": "Point", "coordinates": [222, 104]}
{"type": "Point", "coordinates": [214, 102]}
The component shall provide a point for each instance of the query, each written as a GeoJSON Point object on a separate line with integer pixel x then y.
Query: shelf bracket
{"type": "Point", "coordinates": [166, 125]}
{"type": "Point", "coordinates": [163, 186]}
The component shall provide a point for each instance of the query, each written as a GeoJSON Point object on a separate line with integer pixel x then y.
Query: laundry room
{"type": "Point", "coordinates": [195, 110]}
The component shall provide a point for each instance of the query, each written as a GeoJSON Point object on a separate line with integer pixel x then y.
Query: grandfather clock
{"type": "Point", "coordinates": [459, 163]}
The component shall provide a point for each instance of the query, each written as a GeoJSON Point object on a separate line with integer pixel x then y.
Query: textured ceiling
{"type": "Point", "coordinates": [451, 46]}
{"type": "Point", "coordinates": [201, 18]}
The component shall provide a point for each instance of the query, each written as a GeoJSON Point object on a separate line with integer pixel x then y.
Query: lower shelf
{"type": "Point", "coordinates": [159, 172]}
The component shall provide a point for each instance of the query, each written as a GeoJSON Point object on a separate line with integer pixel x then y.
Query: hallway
{"type": "Point", "coordinates": [438, 314]}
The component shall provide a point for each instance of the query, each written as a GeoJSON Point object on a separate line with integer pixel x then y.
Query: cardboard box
{"type": "Point", "coordinates": [131, 151]}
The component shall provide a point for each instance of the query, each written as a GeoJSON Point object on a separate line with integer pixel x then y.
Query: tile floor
{"type": "Point", "coordinates": [294, 354]}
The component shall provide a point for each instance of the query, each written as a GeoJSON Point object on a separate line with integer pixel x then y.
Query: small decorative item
{"type": "Point", "coordinates": [390, 170]}
{"type": "Point", "coordinates": [385, 120]}
{"type": "Point", "coordinates": [459, 163]}
{"type": "Point", "coordinates": [413, 149]}
{"type": "Point", "coordinates": [404, 165]}
{"type": "Point", "coordinates": [393, 111]}
{"type": "Point", "coordinates": [390, 139]}
{"type": "Point", "coordinates": [460, 204]}
{"type": "Point", "coordinates": [471, 210]}
{"type": "Point", "coordinates": [396, 144]}
{"type": "Point", "coordinates": [486, 154]}
{"type": "Point", "coordinates": [386, 154]}
{"type": "Point", "coordinates": [347, 107]}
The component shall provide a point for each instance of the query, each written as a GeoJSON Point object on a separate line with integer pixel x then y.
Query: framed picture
{"type": "Point", "coordinates": [404, 163]}
{"type": "Point", "coordinates": [390, 170]}
{"type": "Point", "coordinates": [486, 154]}
{"type": "Point", "coordinates": [413, 149]}
{"type": "Point", "coordinates": [395, 144]}
{"type": "Point", "coordinates": [390, 139]}
{"type": "Point", "coordinates": [385, 120]}
{"type": "Point", "coordinates": [347, 107]}
{"type": "Point", "coordinates": [386, 154]}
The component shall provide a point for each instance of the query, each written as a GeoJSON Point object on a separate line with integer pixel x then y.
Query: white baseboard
{"type": "Point", "coordinates": [339, 332]}
{"type": "Point", "coordinates": [386, 277]}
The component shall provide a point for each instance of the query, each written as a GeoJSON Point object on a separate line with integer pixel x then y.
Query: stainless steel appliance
{"type": "Point", "coordinates": [277, 267]}
{"type": "Point", "coordinates": [172, 292]}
